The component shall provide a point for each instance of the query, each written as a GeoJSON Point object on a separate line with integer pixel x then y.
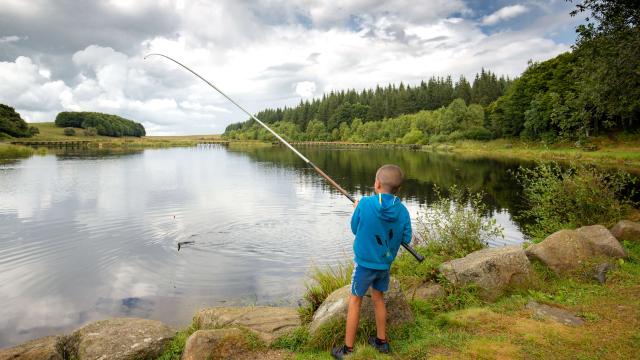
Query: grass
{"type": "Point", "coordinates": [323, 282]}
{"type": "Point", "coordinates": [9, 152]}
{"type": "Point", "coordinates": [621, 151]}
{"type": "Point", "coordinates": [505, 329]}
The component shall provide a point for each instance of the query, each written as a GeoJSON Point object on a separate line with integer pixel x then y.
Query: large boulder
{"type": "Point", "coordinates": [567, 250]}
{"type": "Point", "coordinates": [492, 270]}
{"type": "Point", "coordinates": [336, 304]}
{"type": "Point", "coordinates": [39, 349]}
{"type": "Point", "coordinates": [215, 344]}
{"type": "Point", "coordinates": [626, 230]}
{"type": "Point", "coordinates": [122, 339]}
{"type": "Point", "coordinates": [268, 322]}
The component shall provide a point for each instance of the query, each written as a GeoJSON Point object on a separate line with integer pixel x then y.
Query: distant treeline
{"type": "Point", "coordinates": [105, 124]}
{"type": "Point", "coordinates": [340, 107]}
{"type": "Point", "coordinates": [591, 90]}
{"type": "Point", "coordinates": [11, 124]}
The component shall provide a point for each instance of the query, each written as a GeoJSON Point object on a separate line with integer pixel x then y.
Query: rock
{"type": "Point", "coordinates": [554, 314]}
{"type": "Point", "coordinates": [491, 270]}
{"type": "Point", "coordinates": [626, 230]}
{"type": "Point", "coordinates": [336, 304]}
{"type": "Point", "coordinates": [566, 250]}
{"type": "Point", "coordinates": [600, 272]}
{"type": "Point", "coordinates": [39, 349]}
{"type": "Point", "coordinates": [601, 241]}
{"type": "Point", "coordinates": [268, 322]}
{"type": "Point", "coordinates": [122, 338]}
{"type": "Point", "coordinates": [215, 344]}
{"type": "Point", "coordinates": [427, 291]}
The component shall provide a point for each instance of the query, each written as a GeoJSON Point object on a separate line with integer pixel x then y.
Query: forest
{"type": "Point", "coordinates": [104, 124]}
{"type": "Point", "coordinates": [592, 90]}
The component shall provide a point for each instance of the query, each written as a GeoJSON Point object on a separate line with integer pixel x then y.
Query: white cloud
{"type": "Point", "coordinates": [306, 89]}
{"type": "Point", "coordinates": [504, 13]}
{"type": "Point", "coordinates": [9, 39]}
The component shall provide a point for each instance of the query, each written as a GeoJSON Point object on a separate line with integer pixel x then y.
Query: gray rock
{"type": "Point", "coordinates": [601, 241]}
{"type": "Point", "coordinates": [547, 312]}
{"type": "Point", "coordinates": [491, 270]}
{"type": "Point", "coordinates": [214, 344]}
{"type": "Point", "coordinates": [122, 339]}
{"type": "Point", "coordinates": [600, 272]}
{"type": "Point", "coordinates": [427, 291]}
{"type": "Point", "coordinates": [268, 322]}
{"type": "Point", "coordinates": [336, 304]}
{"type": "Point", "coordinates": [39, 349]}
{"type": "Point", "coordinates": [567, 250]}
{"type": "Point", "coordinates": [626, 230]}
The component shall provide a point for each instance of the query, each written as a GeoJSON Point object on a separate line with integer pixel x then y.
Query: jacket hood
{"type": "Point", "coordinates": [387, 207]}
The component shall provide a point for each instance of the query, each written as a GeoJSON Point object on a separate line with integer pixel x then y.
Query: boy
{"type": "Point", "coordinates": [380, 223]}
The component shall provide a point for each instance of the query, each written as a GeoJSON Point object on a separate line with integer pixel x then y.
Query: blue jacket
{"type": "Point", "coordinates": [380, 223]}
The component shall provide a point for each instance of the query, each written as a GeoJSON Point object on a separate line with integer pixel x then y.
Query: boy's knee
{"type": "Point", "coordinates": [355, 299]}
{"type": "Point", "coordinates": [377, 295]}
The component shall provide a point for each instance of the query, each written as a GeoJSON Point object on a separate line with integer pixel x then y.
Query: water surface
{"type": "Point", "coordinates": [90, 235]}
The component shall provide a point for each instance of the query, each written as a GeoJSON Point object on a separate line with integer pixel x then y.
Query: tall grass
{"type": "Point", "coordinates": [323, 281]}
{"type": "Point", "coordinates": [456, 225]}
{"type": "Point", "coordinates": [576, 196]}
{"type": "Point", "coordinates": [8, 151]}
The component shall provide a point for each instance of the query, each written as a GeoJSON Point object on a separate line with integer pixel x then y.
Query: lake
{"type": "Point", "coordinates": [85, 236]}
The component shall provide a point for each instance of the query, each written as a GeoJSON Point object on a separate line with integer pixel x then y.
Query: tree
{"type": "Point", "coordinates": [13, 125]}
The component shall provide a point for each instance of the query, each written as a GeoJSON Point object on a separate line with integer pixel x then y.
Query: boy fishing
{"type": "Point", "coordinates": [380, 223]}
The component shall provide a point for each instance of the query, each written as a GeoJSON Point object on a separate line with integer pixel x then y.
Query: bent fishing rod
{"type": "Point", "coordinates": [408, 247]}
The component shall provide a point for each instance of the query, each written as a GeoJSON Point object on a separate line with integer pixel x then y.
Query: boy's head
{"type": "Point", "coordinates": [388, 179]}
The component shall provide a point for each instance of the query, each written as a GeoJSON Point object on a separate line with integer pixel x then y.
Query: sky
{"type": "Point", "coordinates": [87, 55]}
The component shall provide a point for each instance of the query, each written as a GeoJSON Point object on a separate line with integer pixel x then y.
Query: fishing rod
{"type": "Point", "coordinates": [408, 247]}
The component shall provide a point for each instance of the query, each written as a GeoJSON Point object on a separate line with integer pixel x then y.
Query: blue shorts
{"type": "Point", "coordinates": [363, 278]}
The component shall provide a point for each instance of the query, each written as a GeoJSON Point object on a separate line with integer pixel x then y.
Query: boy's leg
{"type": "Point", "coordinates": [380, 311]}
{"type": "Point", "coordinates": [353, 318]}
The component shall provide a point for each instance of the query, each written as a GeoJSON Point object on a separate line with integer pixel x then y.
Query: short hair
{"type": "Point", "coordinates": [390, 177]}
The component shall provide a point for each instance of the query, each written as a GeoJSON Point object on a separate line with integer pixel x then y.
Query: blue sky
{"type": "Point", "coordinates": [58, 55]}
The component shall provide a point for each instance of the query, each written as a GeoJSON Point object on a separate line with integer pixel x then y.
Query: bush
{"type": "Point", "coordinates": [105, 124]}
{"type": "Point", "coordinates": [324, 281]}
{"type": "Point", "coordinates": [69, 131]}
{"type": "Point", "coordinates": [477, 133]}
{"type": "Point", "coordinates": [90, 131]}
{"type": "Point", "coordinates": [34, 130]}
{"type": "Point", "coordinates": [579, 195]}
{"type": "Point", "coordinates": [456, 226]}
{"type": "Point", "coordinates": [12, 124]}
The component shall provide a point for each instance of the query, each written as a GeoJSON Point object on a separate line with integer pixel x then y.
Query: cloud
{"type": "Point", "coordinates": [263, 53]}
{"type": "Point", "coordinates": [504, 13]}
{"type": "Point", "coordinates": [306, 89]}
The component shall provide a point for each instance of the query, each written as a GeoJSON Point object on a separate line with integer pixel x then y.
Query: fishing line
{"type": "Point", "coordinates": [408, 247]}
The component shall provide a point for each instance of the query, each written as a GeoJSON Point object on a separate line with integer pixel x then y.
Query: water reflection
{"type": "Point", "coordinates": [85, 236]}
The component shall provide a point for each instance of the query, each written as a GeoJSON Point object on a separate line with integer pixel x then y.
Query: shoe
{"type": "Point", "coordinates": [383, 348]}
{"type": "Point", "coordinates": [339, 352]}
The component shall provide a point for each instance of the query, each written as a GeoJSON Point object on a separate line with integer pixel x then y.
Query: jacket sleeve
{"type": "Point", "coordinates": [407, 232]}
{"type": "Point", "coordinates": [355, 218]}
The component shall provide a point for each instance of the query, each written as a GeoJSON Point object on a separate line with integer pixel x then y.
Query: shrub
{"type": "Point", "coordinates": [12, 124]}
{"type": "Point", "coordinates": [33, 130]}
{"type": "Point", "coordinates": [477, 133]}
{"type": "Point", "coordinates": [69, 131]}
{"type": "Point", "coordinates": [105, 124]}
{"type": "Point", "coordinates": [90, 131]}
{"type": "Point", "coordinates": [324, 281]}
{"type": "Point", "coordinates": [456, 226]}
{"type": "Point", "coordinates": [579, 195]}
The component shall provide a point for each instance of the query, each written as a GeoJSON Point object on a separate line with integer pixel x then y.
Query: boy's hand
{"type": "Point", "coordinates": [355, 204]}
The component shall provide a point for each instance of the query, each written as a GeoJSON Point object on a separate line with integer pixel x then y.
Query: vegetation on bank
{"type": "Point", "coordinates": [9, 152]}
{"type": "Point", "coordinates": [12, 125]}
{"type": "Point", "coordinates": [99, 123]}
{"type": "Point", "coordinates": [592, 90]}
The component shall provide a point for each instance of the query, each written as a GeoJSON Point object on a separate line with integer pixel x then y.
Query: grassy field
{"type": "Point", "coordinates": [623, 151]}
{"type": "Point", "coordinates": [50, 132]}
{"type": "Point", "coordinates": [10, 152]}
